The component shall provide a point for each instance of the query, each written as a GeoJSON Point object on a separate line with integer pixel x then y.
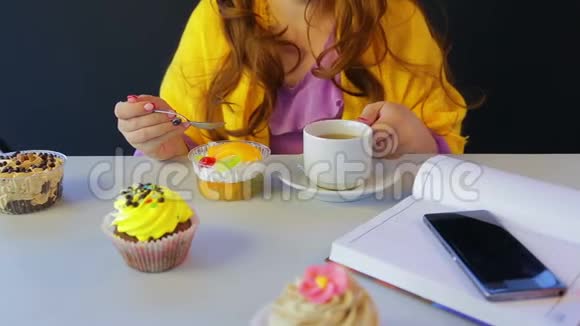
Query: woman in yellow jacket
{"type": "Point", "coordinates": [269, 67]}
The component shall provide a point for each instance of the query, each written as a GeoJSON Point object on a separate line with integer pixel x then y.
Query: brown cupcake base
{"type": "Point", "coordinates": [180, 227]}
{"type": "Point", "coordinates": [19, 207]}
{"type": "Point", "coordinates": [221, 191]}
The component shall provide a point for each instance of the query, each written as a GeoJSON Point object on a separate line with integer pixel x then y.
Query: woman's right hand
{"type": "Point", "coordinates": [151, 133]}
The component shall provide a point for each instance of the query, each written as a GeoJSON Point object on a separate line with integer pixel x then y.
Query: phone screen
{"type": "Point", "coordinates": [493, 255]}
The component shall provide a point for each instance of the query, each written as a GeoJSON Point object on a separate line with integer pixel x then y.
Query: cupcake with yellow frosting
{"type": "Point", "coordinates": [229, 170]}
{"type": "Point", "coordinates": [326, 295]}
{"type": "Point", "coordinates": [152, 227]}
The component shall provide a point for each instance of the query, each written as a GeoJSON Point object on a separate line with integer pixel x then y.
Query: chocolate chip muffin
{"type": "Point", "coordinates": [30, 181]}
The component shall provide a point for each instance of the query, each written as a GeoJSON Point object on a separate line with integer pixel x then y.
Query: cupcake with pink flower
{"type": "Point", "coordinates": [325, 295]}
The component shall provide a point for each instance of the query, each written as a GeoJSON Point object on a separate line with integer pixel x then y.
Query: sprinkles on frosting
{"type": "Point", "coordinates": [143, 194]}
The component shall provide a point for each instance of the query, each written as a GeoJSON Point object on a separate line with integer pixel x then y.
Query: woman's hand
{"type": "Point", "coordinates": [397, 130]}
{"type": "Point", "coordinates": [152, 133]}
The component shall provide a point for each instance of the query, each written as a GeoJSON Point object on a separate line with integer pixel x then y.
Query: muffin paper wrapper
{"type": "Point", "coordinates": [155, 256]}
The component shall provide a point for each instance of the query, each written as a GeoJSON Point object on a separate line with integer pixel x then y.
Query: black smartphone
{"type": "Point", "coordinates": [497, 263]}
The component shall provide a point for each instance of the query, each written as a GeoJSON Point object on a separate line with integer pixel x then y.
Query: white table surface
{"type": "Point", "coordinates": [58, 268]}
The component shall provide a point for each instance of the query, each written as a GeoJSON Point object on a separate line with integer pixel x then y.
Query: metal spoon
{"type": "Point", "coordinates": [201, 125]}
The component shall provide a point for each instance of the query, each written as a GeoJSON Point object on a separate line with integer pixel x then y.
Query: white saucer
{"type": "Point", "coordinates": [383, 177]}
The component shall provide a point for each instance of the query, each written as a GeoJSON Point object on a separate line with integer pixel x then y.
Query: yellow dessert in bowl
{"type": "Point", "coordinates": [229, 170]}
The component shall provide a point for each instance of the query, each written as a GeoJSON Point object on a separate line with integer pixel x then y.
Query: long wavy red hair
{"type": "Point", "coordinates": [254, 49]}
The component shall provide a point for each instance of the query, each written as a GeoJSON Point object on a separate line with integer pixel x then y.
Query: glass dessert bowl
{"type": "Point", "coordinates": [229, 170]}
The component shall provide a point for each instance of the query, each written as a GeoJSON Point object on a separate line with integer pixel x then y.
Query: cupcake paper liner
{"type": "Point", "coordinates": [154, 256]}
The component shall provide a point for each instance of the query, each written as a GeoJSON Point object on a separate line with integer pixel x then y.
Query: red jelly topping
{"type": "Point", "coordinates": [208, 161]}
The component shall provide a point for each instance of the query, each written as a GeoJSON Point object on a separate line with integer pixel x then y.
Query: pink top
{"type": "Point", "coordinates": [312, 99]}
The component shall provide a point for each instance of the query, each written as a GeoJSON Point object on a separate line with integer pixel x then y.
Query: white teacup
{"type": "Point", "coordinates": [338, 153]}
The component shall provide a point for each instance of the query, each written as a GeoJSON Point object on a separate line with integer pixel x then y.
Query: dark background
{"type": "Point", "coordinates": [65, 64]}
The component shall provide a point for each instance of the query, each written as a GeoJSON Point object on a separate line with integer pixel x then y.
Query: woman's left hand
{"type": "Point", "coordinates": [397, 130]}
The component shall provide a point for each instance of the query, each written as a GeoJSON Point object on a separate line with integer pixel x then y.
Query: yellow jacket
{"type": "Point", "coordinates": [203, 47]}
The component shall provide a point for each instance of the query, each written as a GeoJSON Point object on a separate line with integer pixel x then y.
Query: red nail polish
{"type": "Point", "coordinates": [132, 98]}
{"type": "Point", "coordinates": [364, 120]}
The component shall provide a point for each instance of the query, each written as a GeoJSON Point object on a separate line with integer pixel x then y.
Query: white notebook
{"type": "Point", "coordinates": [397, 247]}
